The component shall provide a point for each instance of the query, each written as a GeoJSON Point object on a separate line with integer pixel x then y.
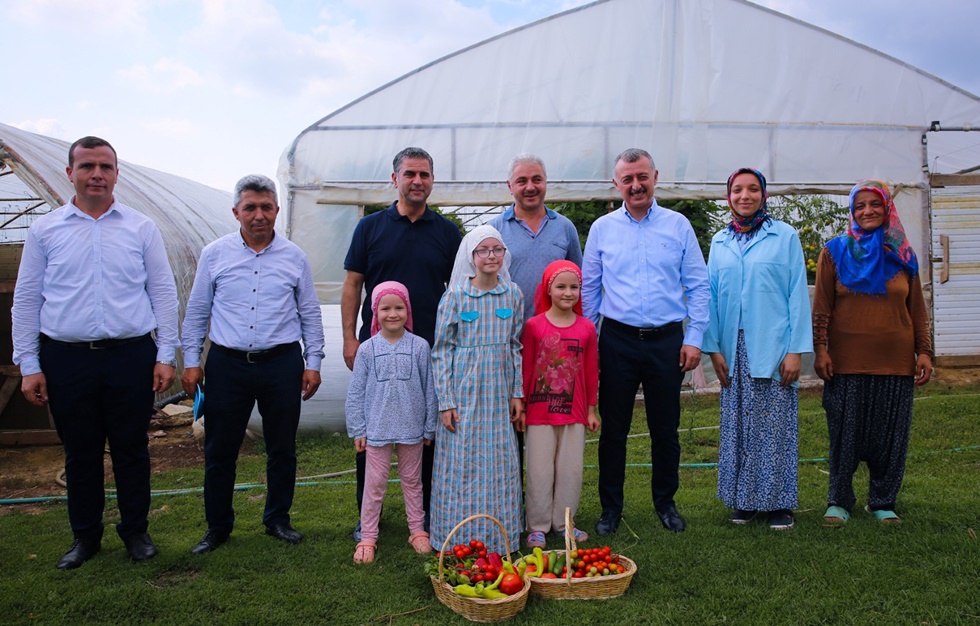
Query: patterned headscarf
{"type": "Point", "coordinates": [866, 260]}
{"type": "Point", "coordinates": [746, 226]}
{"type": "Point", "coordinates": [382, 290]}
{"type": "Point", "coordinates": [464, 268]}
{"type": "Point", "coordinates": [542, 299]}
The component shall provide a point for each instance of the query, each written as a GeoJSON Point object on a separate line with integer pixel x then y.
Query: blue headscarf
{"type": "Point", "coordinates": [746, 227]}
{"type": "Point", "coordinates": [866, 260]}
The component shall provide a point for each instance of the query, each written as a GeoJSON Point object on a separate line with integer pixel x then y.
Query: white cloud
{"type": "Point", "coordinates": [91, 18]}
{"type": "Point", "coordinates": [44, 126]}
{"type": "Point", "coordinates": [166, 75]}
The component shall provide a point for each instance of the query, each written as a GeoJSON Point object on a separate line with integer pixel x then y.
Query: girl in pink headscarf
{"type": "Point", "coordinates": [391, 403]}
{"type": "Point", "coordinates": [561, 382]}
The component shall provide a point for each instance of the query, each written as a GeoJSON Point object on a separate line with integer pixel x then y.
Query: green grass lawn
{"type": "Point", "coordinates": [925, 571]}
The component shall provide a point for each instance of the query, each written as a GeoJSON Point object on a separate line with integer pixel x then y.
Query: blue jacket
{"type": "Point", "coordinates": [764, 288]}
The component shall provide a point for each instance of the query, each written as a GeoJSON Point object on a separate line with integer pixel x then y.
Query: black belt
{"type": "Point", "coordinates": [98, 344]}
{"type": "Point", "coordinates": [642, 333]}
{"type": "Point", "coordinates": [255, 356]}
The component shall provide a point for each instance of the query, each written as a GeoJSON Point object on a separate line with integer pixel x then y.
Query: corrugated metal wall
{"type": "Point", "coordinates": [956, 257]}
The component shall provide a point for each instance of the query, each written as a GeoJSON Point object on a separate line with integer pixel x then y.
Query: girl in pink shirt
{"type": "Point", "coordinates": [561, 380]}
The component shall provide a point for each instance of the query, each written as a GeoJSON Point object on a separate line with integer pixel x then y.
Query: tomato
{"type": "Point", "coordinates": [578, 575]}
{"type": "Point", "coordinates": [479, 546]}
{"type": "Point", "coordinates": [511, 584]}
{"type": "Point", "coordinates": [548, 575]}
{"type": "Point", "coordinates": [482, 553]}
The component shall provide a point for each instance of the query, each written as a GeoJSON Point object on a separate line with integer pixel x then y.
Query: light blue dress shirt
{"type": "Point", "coordinates": [85, 279]}
{"type": "Point", "coordinates": [255, 300]}
{"type": "Point", "coordinates": [647, 273]}
{"type": "Point", "coordinates": [762, 290]}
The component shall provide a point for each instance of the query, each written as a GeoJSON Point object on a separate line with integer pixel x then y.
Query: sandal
{"type": "Point", "coordinates": [535, 539]}
{"type": "Point", "coordinates": [364, 553]}
{"type": "Point", "coordinates": [835, 517]}
{"type": "Point", "coordinates": [420, 541]}
{"type": "Point", "coordinates": [884, 516]}
{"type": "Point", "coordinates": [580, 535]}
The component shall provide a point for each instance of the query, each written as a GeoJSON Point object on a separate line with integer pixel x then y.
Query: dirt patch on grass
{"type": "Point", "coordinates": [32, 472]}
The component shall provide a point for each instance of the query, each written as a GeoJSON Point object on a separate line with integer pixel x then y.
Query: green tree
{"type": "Point", "coordinates": [817, 219]}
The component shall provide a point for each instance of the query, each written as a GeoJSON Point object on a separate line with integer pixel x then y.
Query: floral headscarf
{"type": "Point", "coordinates": [464, 268]}
{"type": "Point", "coordinates": [866, 260]}
{"type": "Point", "coordinates": [746, 226]}
{"type": "Point", "coordinates": [542, 299]}
{"type": "Point", "coordinates": [382, 290]}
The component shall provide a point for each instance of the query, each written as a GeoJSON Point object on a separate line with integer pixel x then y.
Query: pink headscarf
{"type": "Point", "coordinates": [542, 299]}
{"type": "Point", "coordinates": [382, 290]}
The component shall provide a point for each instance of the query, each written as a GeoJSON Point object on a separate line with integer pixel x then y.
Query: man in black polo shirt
{"type": "Point", "coordinates": [413, 245]}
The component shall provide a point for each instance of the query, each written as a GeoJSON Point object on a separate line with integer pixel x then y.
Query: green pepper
{"type": "Point", "coordinates": [493, 594]}
{"type": "Point", "coordinates": [500, 577]}
{"type": "Point", "coordinates": [466, 590]}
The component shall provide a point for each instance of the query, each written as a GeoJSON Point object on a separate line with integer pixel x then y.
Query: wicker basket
{"type": "Point", "coordinates": [478, 609]}
{"type": "Point", "coordinates": [595, 588]}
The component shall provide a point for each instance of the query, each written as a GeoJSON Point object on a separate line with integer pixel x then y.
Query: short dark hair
{"type": "Point", "coordinates": [256, 183]}
{"type": "Point", "coordinates": [410, 153]}
{"type": "Point", "coordinates": [90, 142]}
{"type": "Point", "coordinates": [632, 155]}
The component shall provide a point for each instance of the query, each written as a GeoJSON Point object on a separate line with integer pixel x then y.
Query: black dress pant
{"type": "Point", "coordinates": [625, 361]}
{"type": "Point", "coordinates": [234, 386]}
{"type": "Point", "coordinates": [97, 396]}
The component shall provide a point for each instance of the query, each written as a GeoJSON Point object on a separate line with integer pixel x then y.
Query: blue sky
{"type": "Point", "coordinates": [214, 89]}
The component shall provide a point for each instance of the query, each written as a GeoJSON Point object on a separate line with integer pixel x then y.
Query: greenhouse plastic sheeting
{"type": "Point", "coordinates": [705, 85]}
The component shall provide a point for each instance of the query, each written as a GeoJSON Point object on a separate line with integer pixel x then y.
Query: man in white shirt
{"type": "Point", "coordinates": [94, 283]}
{"type": "Point", "coordinates": [256, 288]}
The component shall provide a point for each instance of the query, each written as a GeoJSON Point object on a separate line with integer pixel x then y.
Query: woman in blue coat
{"type": "Point", "coordinates": [760, 326]}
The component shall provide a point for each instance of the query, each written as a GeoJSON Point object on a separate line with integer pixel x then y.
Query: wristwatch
{"type": "Point", "coordinates": [171, 363]}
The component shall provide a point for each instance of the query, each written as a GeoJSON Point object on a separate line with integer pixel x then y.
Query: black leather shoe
{"type": "Point", "coordinates": [79, 552]}
{"type": "Point", "coordinates": [140, 547]}
{"type": "Point", "coordinates": [211, 540]}
{"type": "Point", "coordinates": [608, 522]}
{"type": "Point", "coordinates": [284, 532]}
{"type": "Point", "coordinates": [671, 519]}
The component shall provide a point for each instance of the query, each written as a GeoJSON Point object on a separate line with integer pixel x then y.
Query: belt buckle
{"type": "Point", "coordinates": [92, 345]}
{"type": "Point", "coordinates": [248, 357]}
{"type": "Point", "coordinates": [646, 333]}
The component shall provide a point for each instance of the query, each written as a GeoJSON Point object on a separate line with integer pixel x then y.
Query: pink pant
{"type": "Point", "coordinates": [376, 481]}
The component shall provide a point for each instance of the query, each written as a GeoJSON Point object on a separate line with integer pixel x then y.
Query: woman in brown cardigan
{"type": "Point", "coordinates": [872, 347]}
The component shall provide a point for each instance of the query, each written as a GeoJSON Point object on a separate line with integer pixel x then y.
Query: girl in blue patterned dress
{"type": "Point", "coordinates": [477, 368]}
{"type": "Point", "coordinates": [760, 326]}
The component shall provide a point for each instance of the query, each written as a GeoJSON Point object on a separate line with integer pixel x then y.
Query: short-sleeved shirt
{"type": "Point", "coordinates": [419, 254]}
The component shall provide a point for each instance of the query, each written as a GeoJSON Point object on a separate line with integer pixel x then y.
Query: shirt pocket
{"type": "Point", "coordinates": [469, 316]}
{"type": "Point", "coordinates": [393, 366]}
{"type": "Point", "coordinates": [504, 313]}
{"type": "Point", "coordinates": [768, 277]}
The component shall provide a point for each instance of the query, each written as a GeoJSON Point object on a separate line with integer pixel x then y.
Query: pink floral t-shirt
{"type": "Point", "coordinates": [561, 371]}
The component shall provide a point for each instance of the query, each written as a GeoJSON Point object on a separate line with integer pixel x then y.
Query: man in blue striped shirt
{"type": "Point", "coordinates": [256, 287]}
{"type": "Point", "coordinates": [643, 274]}
{"type": "Point", "coordinates": [94, 283]}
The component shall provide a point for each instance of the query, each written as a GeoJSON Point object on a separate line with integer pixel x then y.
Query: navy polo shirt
{"type": "Point", "coordinates": [419, 254]}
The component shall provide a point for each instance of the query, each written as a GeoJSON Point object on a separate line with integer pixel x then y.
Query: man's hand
{"type": "Point", "coordinates": [350, 351]}
{"type": "Point", "coordinates": [720, 366]}
{"type": "Point", "coordinates": [311, 382]}
{"type": "Point", "coordinates": [190, 379]}
{"type": "Point", "coordinates": [163, 377]}
{"type": "Point", "coordinates": [690, 357]}
{"type": "Point", "coordinates": [35, 388]}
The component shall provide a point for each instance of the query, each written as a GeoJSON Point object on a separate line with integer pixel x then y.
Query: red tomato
{"type": "Point", "coordinates": [482, 553]}
{"type": "Point", "coordinates": [510, 584]}
{"type": "Point", "coordinates": [548, 575]}
{"type": "Point", "coordinates": [473, 543]}
{"type": "Point", "coordinates": [479, 546]}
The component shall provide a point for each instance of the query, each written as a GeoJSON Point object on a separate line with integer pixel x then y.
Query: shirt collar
{"type": "Point", "coordinates": [393, 213]}
{"type": "Point", "coordinates": [509, 213]}
{"type": "Point", "coordinates": [470, 290]}
{"type": "Point", "coordinates": [272, 244]}
{"type": "Point", "coordinates": [73, 210]}
{"type": "Point", "coordinates": [649, 214]}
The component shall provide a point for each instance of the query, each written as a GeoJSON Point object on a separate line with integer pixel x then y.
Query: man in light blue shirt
{"type": "Point", "coordinates": [643, 274]}
{"type": "Point", "coordinates": [256, 288]}
{"type": "Point", "coordinates": [94, 283]}
{"type": "Point", "coordinates": [534, 234]}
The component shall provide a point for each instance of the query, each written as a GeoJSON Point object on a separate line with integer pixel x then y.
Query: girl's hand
{"type": "Point", "coordinates": [822, 363]}
{"type": "Point", "coordinates": [593, 420]}
{"type": "Point", "coordinates": [789, 369]}
{"type": "Point", "coordinates": [360, 444]}
{"type": "Point", "coordinates": [721, 368]}
{"type": "Point", "coordinates": [516, 409]}
{"type": "Point", "coordinates": [923, 369]}
{"type": "Point", "coordinates": [449, 417]}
